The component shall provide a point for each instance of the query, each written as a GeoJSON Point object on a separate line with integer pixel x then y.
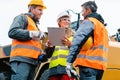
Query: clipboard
{"type": "Point", "coordinates": [55, 35]}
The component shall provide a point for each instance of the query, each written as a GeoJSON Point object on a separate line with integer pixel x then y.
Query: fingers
{"type": "Point", "coordinates": [48, 44]}
{"type": "Point", "coordinates": [68, 72]}
{"type": "Point", "coordinates": [66, 41]}
{"type": "Point", "coordinates": [74, 72]}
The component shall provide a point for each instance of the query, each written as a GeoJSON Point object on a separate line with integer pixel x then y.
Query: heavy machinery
{"type": "Point", "coordinates": [5, 68]}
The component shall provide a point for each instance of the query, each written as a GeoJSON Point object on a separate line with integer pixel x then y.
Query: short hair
{"type": "Point", "coordinates": [90, 4]}
{"type": "Point", "coordinates": [31, 7]}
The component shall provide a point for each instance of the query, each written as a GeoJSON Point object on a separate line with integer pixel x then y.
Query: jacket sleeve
{"type": "Point", "coordinates": [82, 34]}
{"type": "Point", "coordinates": [18, 29]}
{"type": "Point", "coordinates": [49, 51]}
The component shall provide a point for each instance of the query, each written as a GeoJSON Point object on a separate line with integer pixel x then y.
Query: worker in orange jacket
{"type": "Point", "coordinates": [93, 61]}
{"type": "Point", "coordinates": [26, 46]}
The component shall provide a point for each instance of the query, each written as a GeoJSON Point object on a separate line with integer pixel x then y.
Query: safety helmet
{"type": "Point", "coordinates": [37, 2]}
{"type": "Point", "coordinates": [62, 14]}
{"type": "Point", "coordinates": [88, 44]}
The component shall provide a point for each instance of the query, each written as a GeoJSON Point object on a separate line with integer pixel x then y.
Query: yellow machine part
{"type": "Point", "coordinates": [113, 69]}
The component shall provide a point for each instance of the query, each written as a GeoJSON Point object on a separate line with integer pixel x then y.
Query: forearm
{"type": "Point", "coordinates": [82, 34]}
{"type": "Point", "coordinates": [18, 29]}
{"type": "Point", "coordinates": [19, 34]}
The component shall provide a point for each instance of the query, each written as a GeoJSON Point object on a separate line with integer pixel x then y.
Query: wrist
{"type": "Point", "coordinates": [69, 44]}
{"type": "Point", "coordinates": [34, 34]}
{"type": "Point", "coordinates": [69, 65]}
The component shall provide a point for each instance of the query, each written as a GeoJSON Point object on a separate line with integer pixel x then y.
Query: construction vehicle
{"type": "Point", "coordinates": [5, 68]}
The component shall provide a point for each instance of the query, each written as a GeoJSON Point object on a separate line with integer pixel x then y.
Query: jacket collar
{"type": "Point", "coordinates": [97, 16]}
{"type": "Point", "coordinates": [33, 17]}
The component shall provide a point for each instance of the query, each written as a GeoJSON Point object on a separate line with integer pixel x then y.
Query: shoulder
{"type": "Point", "coordinates": [21, 17]}
{"type": "Point", "coordinates": [87, 24]}
{"type": "Point", "coordinates": [87, 21]}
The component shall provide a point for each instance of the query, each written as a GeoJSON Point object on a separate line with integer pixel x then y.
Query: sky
{"type": "Point", "coordinates": [11, 8]}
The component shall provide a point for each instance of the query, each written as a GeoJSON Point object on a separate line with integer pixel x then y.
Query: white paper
{"type": "Point", "coordinates": [55, 35]}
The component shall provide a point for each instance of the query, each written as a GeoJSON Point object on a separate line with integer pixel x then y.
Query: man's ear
{"type": "Point", "coordinates": [32, 9]}
{"type": "Point", "coordinates": [89, 10]}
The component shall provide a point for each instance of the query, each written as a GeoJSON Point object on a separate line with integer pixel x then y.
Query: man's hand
{"type": "Point", "coordinates": [42, 57]}
{"type": "Point", "coordinates": [48, 44]}
{"type": "Point", "coordinates": [36, 35]}
{"type": "Point", "coordinates": [42, 35]}
{"type": "Point", "coordinates": [71, 71]}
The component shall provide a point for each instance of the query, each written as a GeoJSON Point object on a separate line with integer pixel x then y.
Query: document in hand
{"type": "Point", "coordinates": [55, 35]}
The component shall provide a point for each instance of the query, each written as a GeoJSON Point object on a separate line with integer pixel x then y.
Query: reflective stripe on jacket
{"type": "Point", "coordinates": [96, 57]}
{"type": "Point", "coordinates": [30, 48]}
{"type": "Point", "coordinates": [59, 55]}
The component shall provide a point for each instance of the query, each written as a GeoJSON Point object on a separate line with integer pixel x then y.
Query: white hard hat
{"type": "Point", "coordinates": [65, 13]}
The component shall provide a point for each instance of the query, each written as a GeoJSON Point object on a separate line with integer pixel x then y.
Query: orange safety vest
{"type": "Point", "coordinates": [95, 57]}
{"type": "Point", "coordinates": [30, 48]}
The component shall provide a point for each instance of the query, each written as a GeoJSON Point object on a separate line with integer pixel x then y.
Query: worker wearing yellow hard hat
{"type": "Point", "coordinates": [26, 45]}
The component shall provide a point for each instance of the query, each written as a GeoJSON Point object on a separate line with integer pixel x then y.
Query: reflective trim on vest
{"type": "Point", "coordinates": [100, 47]}
{"type": "Point", "coordinates": [27, 47]}
{"type": "Point", "coordinates": [30, 48]}
{"type": "Point", "coordinates": [58, 56]}
{"type": "Point", "coordinates": [61, 48]}
{"type": "Point", "coordinates": [92, 57]}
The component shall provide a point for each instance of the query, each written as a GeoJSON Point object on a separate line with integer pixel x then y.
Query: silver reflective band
{"type": "Point", "coordinates": [61, 47]}
{"type": "Point", "coordinates": [58, 56]}
{"type": "Point", "coordinates": [92, 57]}
{"type": "Point", "coordinates": [26, 46]}
{"type": "Point", "coordinates": [100, 47]}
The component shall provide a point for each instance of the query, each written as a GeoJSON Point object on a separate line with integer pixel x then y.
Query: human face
{"type": "Point", "coordinates": [64, 22]}
{"type": "Point", "coordinates": [38, 11]}
{"type": "Point", "coordinates": [85, 11]}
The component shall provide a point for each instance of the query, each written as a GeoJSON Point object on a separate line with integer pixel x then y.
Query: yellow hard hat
{"type": "Point", "coordinates": [88, 44]}
{"type": "Point", "coordinates": [37, 2]}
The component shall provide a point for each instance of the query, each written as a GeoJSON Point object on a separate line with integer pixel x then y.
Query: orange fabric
{"type": "Point", "coordinates": [99, 30]}
{"type": "Point", "coordinates": [26, 51]}
{"type": "Point", "coordinates": [61, 77]}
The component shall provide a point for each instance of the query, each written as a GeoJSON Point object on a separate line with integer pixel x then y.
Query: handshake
{"type": "Point", "coordinates": [36, 35]}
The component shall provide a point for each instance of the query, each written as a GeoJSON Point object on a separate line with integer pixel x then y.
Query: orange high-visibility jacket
{"type": "Point", "coordinates": [30, 48]}
{"type": "Point", "coordinates": [95, 57]}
